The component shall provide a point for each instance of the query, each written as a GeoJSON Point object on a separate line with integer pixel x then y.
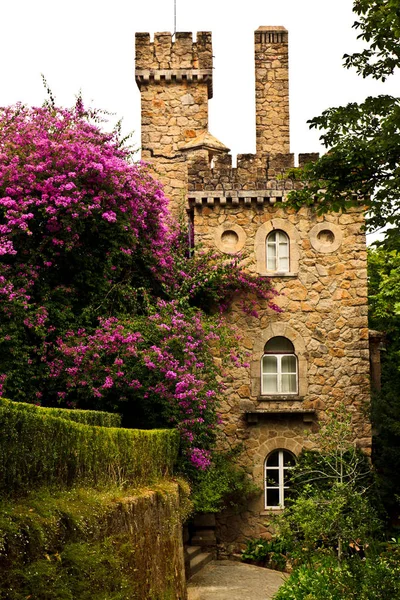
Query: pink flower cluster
{"type": "Point", "coordinates": [168, 358]}
{"type": "Point", "coordinates": [58, 171]}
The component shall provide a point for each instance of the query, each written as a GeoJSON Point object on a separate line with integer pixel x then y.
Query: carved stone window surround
{"type": "Point", "coordinates": [260, 250]}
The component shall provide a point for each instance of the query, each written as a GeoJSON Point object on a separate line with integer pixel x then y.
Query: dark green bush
{"type": "Point", "coordinates": [266, 553]}
{"type": "Point", "coordinates": [224, 485]}
{"type": "Point", "coordinates": [374, 578]}
{"type": "Point", "coordinates": [38, 449]}
{"type": "Point", "coordinates": [88, 417]}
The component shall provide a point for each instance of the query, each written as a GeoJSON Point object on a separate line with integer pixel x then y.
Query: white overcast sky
{"type": "Point", "coordinates": [88, 45]}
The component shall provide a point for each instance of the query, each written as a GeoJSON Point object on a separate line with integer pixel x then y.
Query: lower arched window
{"type": "Point", "coordinates": [277, 474]}
{"type": "Point", "coordinates": [279, 367]}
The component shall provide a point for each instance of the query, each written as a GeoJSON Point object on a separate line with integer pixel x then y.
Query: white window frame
{"type": "Point", "coordinates": [273, 251]}
{"type": "Point", "coordinates": [281, 487]}
{"type": "Point", "coordinates": [279, 375]}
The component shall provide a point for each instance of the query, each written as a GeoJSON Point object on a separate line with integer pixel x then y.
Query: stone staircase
{"type": "Point", "coordinates": [197, 559]}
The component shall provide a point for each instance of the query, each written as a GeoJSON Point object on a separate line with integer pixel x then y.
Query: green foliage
{"type": "Point", "coordinates": [225, 485]}
{"type": "Point", "coordinates": [331, 522]}
{"type": "Point", "coordinates": [370, 579]}
{"type": "Point", "coordinates": [379, 23]}
{"type": "Point", "coordinates": [384, 315]}
{"type": "Point", "coordinates": [82, 544]}
{"type": "Point", "coordinates": [361, 167]}
{"type": "Point", "coordinates": [88, 417]}
{"type": "Point", "coordinates": [330, 511]}
{"type": "Point", "coordinates": [267, 553]}
{"type": "Point", "coordinates": [38, 449]}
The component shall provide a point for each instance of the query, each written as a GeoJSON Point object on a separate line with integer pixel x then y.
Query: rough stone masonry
{"type": "Point", "coordinates": [317, 263]}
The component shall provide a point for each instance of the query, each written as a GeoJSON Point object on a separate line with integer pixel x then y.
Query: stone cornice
{"type": "Point", "coordinates": [235, 197]}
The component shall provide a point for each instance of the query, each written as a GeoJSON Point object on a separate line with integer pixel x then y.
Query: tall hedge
{"type": "Point", "coordinates": [89, 417]}
{"type": "Point", "coordinates": [38, 449]}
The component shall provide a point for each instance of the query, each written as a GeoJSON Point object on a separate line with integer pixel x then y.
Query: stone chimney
{"type": "Point", "coordinates": [272, 90]}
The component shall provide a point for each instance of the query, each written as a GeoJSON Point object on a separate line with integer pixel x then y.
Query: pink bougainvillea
{"type": "Point", "coordinates": [102, 305]}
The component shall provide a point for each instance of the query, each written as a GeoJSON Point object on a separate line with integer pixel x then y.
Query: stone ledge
{"type": "Point", "coordinates": [253, 416]}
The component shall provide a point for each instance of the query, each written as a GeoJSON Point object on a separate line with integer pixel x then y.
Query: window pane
{"type": "Point", "coordinates": [289, 364]}
{"type": "Point", "coordinates": [271, 257]}
{"type": "Point", "coordinates": [280, 237]}
{"type": "Point", "coordinates": [270, 364]}
{"type": "Point", "coordinates": [287, 477]}
{"type": "Point", "coordinates": [272, 477]}
{"type": "Point", "coordinates": [270, 384]}
{"type": "Point", "coordinates": [272, 497]}
{"type": "Point", "coordinates": [273, 459]}
{"type": "Point", "coordinates": [289, 384]}
{"type": "Point", "coordinates": [283, 264]}
{"type": "Point", "coordinates": [279, 345]}
{"type": "Point", "coordinates": [288, 459]}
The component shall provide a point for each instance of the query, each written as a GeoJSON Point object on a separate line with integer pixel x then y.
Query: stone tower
{"type": "Point", "coordinates": [313, 356]}
{"type": "Point", "coordinates": [175, 82]}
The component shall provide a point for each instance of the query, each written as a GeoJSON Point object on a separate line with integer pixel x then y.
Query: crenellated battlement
{"type": "Point", "coordinates": [262, 176]}
{"type": "Point", "coordinates": [167, 60]}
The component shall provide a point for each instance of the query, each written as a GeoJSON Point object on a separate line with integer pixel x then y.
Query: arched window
{"type": "Point", "coordinates": [278, 465]}
{"type": "Point", "coordinates": [277, 249]}
{"type": "Point", "coordinates": [279, 367]}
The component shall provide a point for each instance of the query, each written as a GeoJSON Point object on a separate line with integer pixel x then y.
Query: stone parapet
{"type": "Point", "coordinates": [166, 59]}
{"type": "Point", "coordinates": [254, 173]}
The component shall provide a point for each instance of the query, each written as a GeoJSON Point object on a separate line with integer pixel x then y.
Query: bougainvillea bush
{"type": "Point", "coordinates": [102, 304]}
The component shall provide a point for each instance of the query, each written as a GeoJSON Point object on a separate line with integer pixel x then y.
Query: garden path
{"type": "Point", "coordinates": [230, 580]}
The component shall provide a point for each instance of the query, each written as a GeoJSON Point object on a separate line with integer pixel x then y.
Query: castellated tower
{"type": "Point", "coordinates": [313, 356]}
{"type": "Point", "coordinates": [175, 82]}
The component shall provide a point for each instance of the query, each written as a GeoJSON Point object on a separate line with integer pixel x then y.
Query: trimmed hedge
{"type": "Point", "coordinates": [89, 417]}
{"type": "Point", "coordinates": [38, 449]}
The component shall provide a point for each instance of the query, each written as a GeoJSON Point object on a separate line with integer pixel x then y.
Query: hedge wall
{"type": "Point", "coordinates": [89, 417]}
{"type": "Point", "coordinates": [38, 449]}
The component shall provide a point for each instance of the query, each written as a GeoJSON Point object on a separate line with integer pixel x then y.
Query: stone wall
{"type": "Point", "coordinates": [324, 302]}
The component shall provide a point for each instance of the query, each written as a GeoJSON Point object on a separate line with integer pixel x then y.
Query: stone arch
{"type": "Point", "coordinates": [274, 330]}
{"type": "Point", "coordinates": [260, 251]}
{"type": "Point", "coordinates": [265, 449]}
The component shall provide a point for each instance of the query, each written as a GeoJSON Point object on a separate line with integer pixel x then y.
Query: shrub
{"type": "Point", "coordinates": [39, 449]}
{"type": "Point", "coordinates": [224, 485]}
{"type": "Point", "coordinates": [371, 579]}
{"type": "Point", "coordinates": [267, 553]}
{"type": "Point", "coordinates": [88, 417]}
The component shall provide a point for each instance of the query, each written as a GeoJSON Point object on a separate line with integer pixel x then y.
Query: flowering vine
{"type": "Point", "coordinates": [102, 304]}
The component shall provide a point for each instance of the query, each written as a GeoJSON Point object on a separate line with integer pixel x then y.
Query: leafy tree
{"type": "Point", "coordinates": [361, 167]}
{"type": "Point", "coordinates": [330, 512]}
{"type": "Point", "coordinates": [384, 295]}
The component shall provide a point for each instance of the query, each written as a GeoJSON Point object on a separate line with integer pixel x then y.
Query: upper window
{"type": "Point", "coordinates": [277, 249]}
{"type": "Point", "coordinates": [277, 478]}
{"type": "Point", "coordinates": [279, 367]}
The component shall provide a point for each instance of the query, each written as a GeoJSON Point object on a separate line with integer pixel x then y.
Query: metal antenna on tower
{"type": "Point", "coordinates": [174, 17]}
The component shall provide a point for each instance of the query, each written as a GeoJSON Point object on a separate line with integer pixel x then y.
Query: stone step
{"type": "Point", "coordinates": [199, 561]}
{"type": "Point", "coordinates": [193, 551]}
